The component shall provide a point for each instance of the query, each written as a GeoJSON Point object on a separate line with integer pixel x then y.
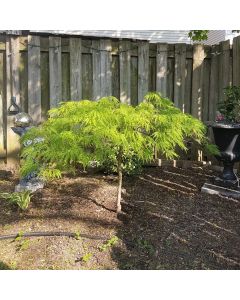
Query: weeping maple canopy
{"type": "Point", "coordinates": [78, 133]}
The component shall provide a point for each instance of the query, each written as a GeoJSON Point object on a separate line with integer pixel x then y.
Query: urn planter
{"type": "Point", "coordinates": [227, 139]}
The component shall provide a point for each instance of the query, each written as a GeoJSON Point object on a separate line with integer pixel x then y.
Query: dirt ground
{"type": "Point", "coordinates": [167, 223]}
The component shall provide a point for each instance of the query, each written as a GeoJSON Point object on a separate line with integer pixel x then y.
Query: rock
{"type": "Point", "coordinates": [32, 185]}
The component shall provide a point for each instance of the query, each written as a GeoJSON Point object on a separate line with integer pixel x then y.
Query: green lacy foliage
{"type": "Point", "coordinates": [79, 133]}
{"type": "Point", "coordinates": [230, 107]}
{"type": "Point", "coordinates": [198, 35]}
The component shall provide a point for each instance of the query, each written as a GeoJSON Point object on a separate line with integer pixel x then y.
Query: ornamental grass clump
{"type": "Point", "coordinates": [107, 131]}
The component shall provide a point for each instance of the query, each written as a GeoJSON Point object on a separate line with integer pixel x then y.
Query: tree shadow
{"type": "Point", "coordinates": [169, 224]}
{"type": "Point", "coordinates": [4, 266]}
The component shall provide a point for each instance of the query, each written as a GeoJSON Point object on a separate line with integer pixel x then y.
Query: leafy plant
{"type": "Point", "coordinates": [107, 132]}
{"type": "Point", "coordinates": [23, 245]}
{"type": "Point", "coordinates": [230, 106]}
{"type": "Point", "coordinates": [111, 242]}
{"type": "Point", "coordinates": [198, 35]}
{"type": "Point", "coordinates": [86, 257]}
{"type": "Point", "coordinates": [19, 236]}
{"type": "Point", "coordinates": [22, 199]}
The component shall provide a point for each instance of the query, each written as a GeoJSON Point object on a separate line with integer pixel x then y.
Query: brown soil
{"type": "Point", "coordinates": [166, 223]}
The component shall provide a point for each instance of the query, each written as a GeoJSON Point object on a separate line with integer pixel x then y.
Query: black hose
{"type": "Point", "coordinates": [51, 233]}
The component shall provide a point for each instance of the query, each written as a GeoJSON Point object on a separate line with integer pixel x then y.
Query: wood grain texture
{"type": "Point", "coordinates": [12, 77]}
{"type": "Point", "coordinates": [96, 64]}
{"type": "Point", "coordinates": [45, 92]}
{"type": "Point", "coordinates": [197, 80]}
{"type": "Point", "coordinates": [236, 61]}
{"type": "Point", "coordinates": [106, 72]}
{"type": "Point", "coordinates": [34, 79]}
{"type": "Point", "coordinates": [188, 85]}
{"type": "Point", "coordinates": [23, 78]}
{"type": "Point", "coordinates": [66, 76]}
{"type": "Point", "coordinates": [55, 71]}
{"type": "Point", "coordinates": [224, 68]}
{"type": "Point", "coordinates": [125, 72]}
{"type": "Point", "coordinates": [76, 68]}
{"type": "Point", "coordinates": [143, 69]}
{"type": "Point", "coordinates": [214, 83]}
{"type": "Point", "coordinates": [161, 69]}
{"type": "Point", "coordinates": [116, 77]}
{"type": "Point", "coordinates": [87, 76]}
{"type": "Point", "coordinates": [134, 80]}
{"type": "Point", "coordinates": [179, 76]}
{"type": "Point", "coordinates": [170, 78]}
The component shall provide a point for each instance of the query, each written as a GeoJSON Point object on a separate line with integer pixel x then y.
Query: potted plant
{"type": "Point", "coordinates": [226, 131]}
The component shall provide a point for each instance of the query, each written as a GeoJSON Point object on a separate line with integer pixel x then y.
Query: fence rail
{"type": "Point", "coordinates": [41, 71]}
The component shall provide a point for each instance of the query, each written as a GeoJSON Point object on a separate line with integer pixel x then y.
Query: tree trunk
{"type": "Point", "coordinates": [119, 197]}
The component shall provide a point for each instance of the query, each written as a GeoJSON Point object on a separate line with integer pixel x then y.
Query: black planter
{"type": "Point", "coordinates": [227, 138]}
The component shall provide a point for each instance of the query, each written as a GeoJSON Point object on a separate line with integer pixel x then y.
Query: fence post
{"type": "Point", "coordinates": [106, 72]}
{"type": "Point", "coordinates": [236, 61]}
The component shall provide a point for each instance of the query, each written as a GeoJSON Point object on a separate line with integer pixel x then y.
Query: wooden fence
{"type": "Point", "coordinates": [41, 71]}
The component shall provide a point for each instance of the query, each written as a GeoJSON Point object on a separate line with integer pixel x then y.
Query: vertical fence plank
{"type": "Point", "coordinates": [75, 45]}
{"type": "Point", "coordinates": [236, 61]}
{"type": "Point", "coordinates": [96, 70]}
{"type": "Point", "coordinates": [197, 79]}
{"type": "Point", "coordinates": [205, 87]}
{"type": "Point", "coordinates": [116, 77]}
{"type": "Point", "coordinates": [2, 107]}
{"type": "Point", "coordinates": [213, 96]}
{"type": "Point", "coordinates": [65, 77]}
{"type": "Point", "coordinates": [152, 74]}
{"type": "Point", "coordinates": [45, 93]}
{"type": "Point", "coordinates": [87, 76]}
{"type": "Point", "coordinates": [134, 80]}
{"type": "Point", "coordinates": [12, 70]}
{"type": "Point", "coordinates": [179, 75]}
{"type": "Point", "coordinates": [55, 71]}
{"type": "Point", "coordinates": [106, 72]}
{"type": "Point", "coordinates": [23, 78]}
{"type": "Point", "coordinates": [125, 71]}
{"type": "Point", "coordinates": [143, 69]}
{"type": "Point", "coordinates": [161, 69]}
{"type": "Point", "coordinates": [34, 79]}
{"type": "Point", "coordinates": [224, 68]}
{"type": "Point", "coordinates": [170, 78]}
{"type": "Point", "coordinates": [188, 86]}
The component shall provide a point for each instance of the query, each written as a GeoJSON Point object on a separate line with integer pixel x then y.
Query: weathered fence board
{"type": "Point", "coordinates": [214, 81]}
{"type": "Point", "coordinates": [106, 72]}
{"type": "Point", "coordinates": [87, 76]}
{"type": "Point", "coordinates": [134, 80]}
{"type": "Point", "coordinates": [96, 70]}
{"type": "Point", "coordinates": [179, 80]}
{"type": "Point", "coordinates": [197, 79]}
{"type": "Point", "coordinates": [13, 90]}
{"type": "Point", "coordinates": [125, 71]}
{"type": "Point", "coordinates": [224, 68]}
{"type": "Point", "coordinates": [55, 71]}
{"type": "Point", "coordinates": [161, 69]}
{"type": "Point", "coordinates": [116, 77]}
{"type": "Point", "coordinates": [34, 79]}
{"type": "Point", "coordinates": [23, 80]}
{"type": "Point", "coordinates": [236, 61]}
{"type": "Point", "coordinates": [75, 68]}
{"type": "Point", "coordinates": [143, 67]}
{"type": "Point", "coordinates": [45, 92]}
{"type": "Point", "coordinates": [66, 93]}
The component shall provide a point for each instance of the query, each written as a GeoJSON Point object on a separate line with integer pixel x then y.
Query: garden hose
{"type": "Point", "coordinates": [51, 233]}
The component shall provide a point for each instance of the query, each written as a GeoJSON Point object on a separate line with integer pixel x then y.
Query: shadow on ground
{"type": "Point", "coordinates": [169, 224]}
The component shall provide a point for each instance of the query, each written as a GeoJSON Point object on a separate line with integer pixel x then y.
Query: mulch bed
{"type": "Point", "coordinates": [167, 223]}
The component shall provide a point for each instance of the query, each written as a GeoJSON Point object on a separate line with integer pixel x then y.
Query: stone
{"type": "Point", "coordinates": [213, 189]}
{"type": "Point", "coordinates": [31, 185]}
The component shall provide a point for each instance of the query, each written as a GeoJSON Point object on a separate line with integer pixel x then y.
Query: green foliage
{"type": "Point", "coordinates": [111, 242]}
{"type": "Point", "coordinates": [230, 107]}
{"type": "Point", "coordinates": [23, 245]}
{"type": "Point", "coordinates": [22, 199]}
{"type": "Point", "coordinates": [19, 236]}
{"type": "Point", "coordinates": [198, 35]}
{"type": "Point", "coordinates": [78, 133]}
{"type": "Point", "coordinates": [86, 257]}
{"type": "Point", "coordinates": [77, 235]}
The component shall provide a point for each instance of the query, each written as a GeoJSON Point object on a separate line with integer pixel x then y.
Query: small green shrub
{"type": "Point", "coordinates": [22, 199]}
{"type": "Point", "coordinates": [111, 242]}
{"type": "Point", "coordinates": [230, 106]}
